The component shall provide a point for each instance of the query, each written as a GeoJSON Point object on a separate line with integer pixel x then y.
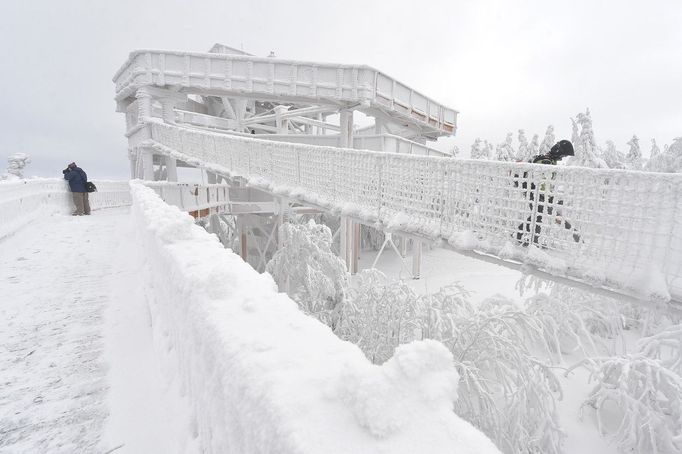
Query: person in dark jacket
{"type": "Point", "coordinates": [559, 151]}
{"type": "Point", "coordinates": [77, 179]}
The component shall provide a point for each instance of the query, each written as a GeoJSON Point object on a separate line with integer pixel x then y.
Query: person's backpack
{"type": "Point", "coordinates": [90, 186]}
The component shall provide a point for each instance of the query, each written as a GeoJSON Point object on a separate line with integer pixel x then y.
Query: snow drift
{"type": "Point", "coordinates": [263, 377]}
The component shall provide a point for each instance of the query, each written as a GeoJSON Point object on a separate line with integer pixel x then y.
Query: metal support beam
{"type": "Point", "coordinates": [347, 242]}
{"type": "Point", "coordinates": [416, 259]}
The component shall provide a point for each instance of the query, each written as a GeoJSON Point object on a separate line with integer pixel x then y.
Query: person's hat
{"type": "Point", "coordinates": [561, 149]}
{"type": "Point", "coordinates": [72, 165]}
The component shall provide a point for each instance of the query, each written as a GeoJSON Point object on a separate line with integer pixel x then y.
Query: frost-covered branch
{"type": "Point", "coordinates": [647, 399]}
{"type": "Point", "coordinates": [306, 268]}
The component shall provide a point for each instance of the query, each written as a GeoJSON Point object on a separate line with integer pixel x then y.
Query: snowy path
{"type": "Point", "coordinates": [57, 281]}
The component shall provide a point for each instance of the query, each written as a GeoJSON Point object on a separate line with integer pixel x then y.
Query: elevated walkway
{"type": "Point", "coordinates": [613, 229]}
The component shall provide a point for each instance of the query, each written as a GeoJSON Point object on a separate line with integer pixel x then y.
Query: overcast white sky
{"type": "Point", "coordinates": [504, 65]}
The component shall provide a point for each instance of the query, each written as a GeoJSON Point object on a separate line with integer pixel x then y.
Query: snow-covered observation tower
{"type": "Point", "coordinates": [230, 91]}
{"type": "Point", "coordinates": [233, 93]}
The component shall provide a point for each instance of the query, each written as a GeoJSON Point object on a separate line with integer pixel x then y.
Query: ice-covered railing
{"type": "Point", "coordinates": [262, 377]}
{"type": "Point", "coordinates": [23, 201]}
{"type": "Point", "coordinates": [614, 228]}
{"type": "Point", "coordinates": [273, 77]}
{"type": "Point", "coordinates": [191, 196]}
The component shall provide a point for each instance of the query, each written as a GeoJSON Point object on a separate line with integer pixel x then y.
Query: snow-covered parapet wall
{"type": "Point", "coordinates": [22, 201]}
{"type": "Point", "coordinates": [262, 376]}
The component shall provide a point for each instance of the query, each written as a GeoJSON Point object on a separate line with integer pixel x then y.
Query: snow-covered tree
{"type": "Point", "coordinates": [674, 151]}
{"type": "Point", "coordinates": [655, 151]}
{"type": "Point", "coordinates": [633, 158]}
{"type": "Point", "coordinates": [574, 320]}
{"type": "Point", "coordinates": [505, 150]}
{"type": "Point", "coordinates": [584, 143]}
{"type": "Point", "coordinates": [307, 269]}
{"type": "Point", "coordinates": [549, 140]}
{"type": "Point", "coordinates": [670, 160]}
{"type": "Point", "coordinates": [533, 147]}
{"type": "Point", "coordinates": [523, 153]}
{"type": "Point", "coordinates": [379, 315]}
{"type": "Point", "coordinates": [15, 166]}
{"type": "Point", "coordinates": [488, 149]}
{"type": "Point", "coordinates": [504, 389]}
{"type": "Point", "coordinates": [478, 150]}
{"type": "Point", "coordinates": [665, 346]}
{"type": "Point", "coordinates": [508, 393]}
{"type": "Point", "coordinates": [614, 158]}
{"type": "Point", "coordinates": [643, 395]}
{"type": "Point", "coordinates": [575, 135]}
{"type": "Point", "coordinates": [455, 151]}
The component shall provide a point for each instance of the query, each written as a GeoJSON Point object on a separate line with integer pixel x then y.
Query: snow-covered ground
{"type": "Point", "coordinates": [75, 349]}
{"type": "Point", "coordinates": [441, 267]}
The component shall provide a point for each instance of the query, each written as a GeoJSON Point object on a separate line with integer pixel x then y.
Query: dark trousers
{"type": "Point", "coordinates": [525, 227]}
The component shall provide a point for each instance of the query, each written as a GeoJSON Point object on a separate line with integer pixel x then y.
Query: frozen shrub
{"type": "Point", "coordinates": [666, 347]}
{"type": "Point", "coordinates": [644, 396]}
{"type": "Point", "coordinates": [379, 315]}
{"type": "Point", "coordinates": [505, 390]}
{"type": "Point", "coordinates": [307, 269]}
{"type": "Point", "coordinates": [575, 322]}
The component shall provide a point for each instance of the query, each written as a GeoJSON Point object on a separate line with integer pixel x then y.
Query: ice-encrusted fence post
{"type": "Point", "coordinates": [672, 263]}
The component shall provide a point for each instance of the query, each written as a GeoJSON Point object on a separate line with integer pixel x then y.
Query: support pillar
{"type": "Point", "coordinates": [281, 206]}
{"type": "Point", "coordinates": [403, 246]}
{"type": "Point", "coordinates": [147, 157]}
{"type": "Point", "coordinates": [282, 124]}
{"type": "Point", "coordinates": [144, 104]}
{"type": "Point", "coordinates": [355, 262]}
{"type": "Point", "coordinates": [346, 133]}
{"type": "Point", "coordinates": [171, 169]}
{"type": "Point", "coordinates": [243, 246]}
{"type": "Point", "coordinates": [416, 259]}
{"type": "Point", "coordinates": [320, 129]}
{"type": "Point", "coordinates": [133, 166]}
{"type": "Point", "coordinates": [350, 244]}
{"type": "Point", "coordinates": [346, 242]}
